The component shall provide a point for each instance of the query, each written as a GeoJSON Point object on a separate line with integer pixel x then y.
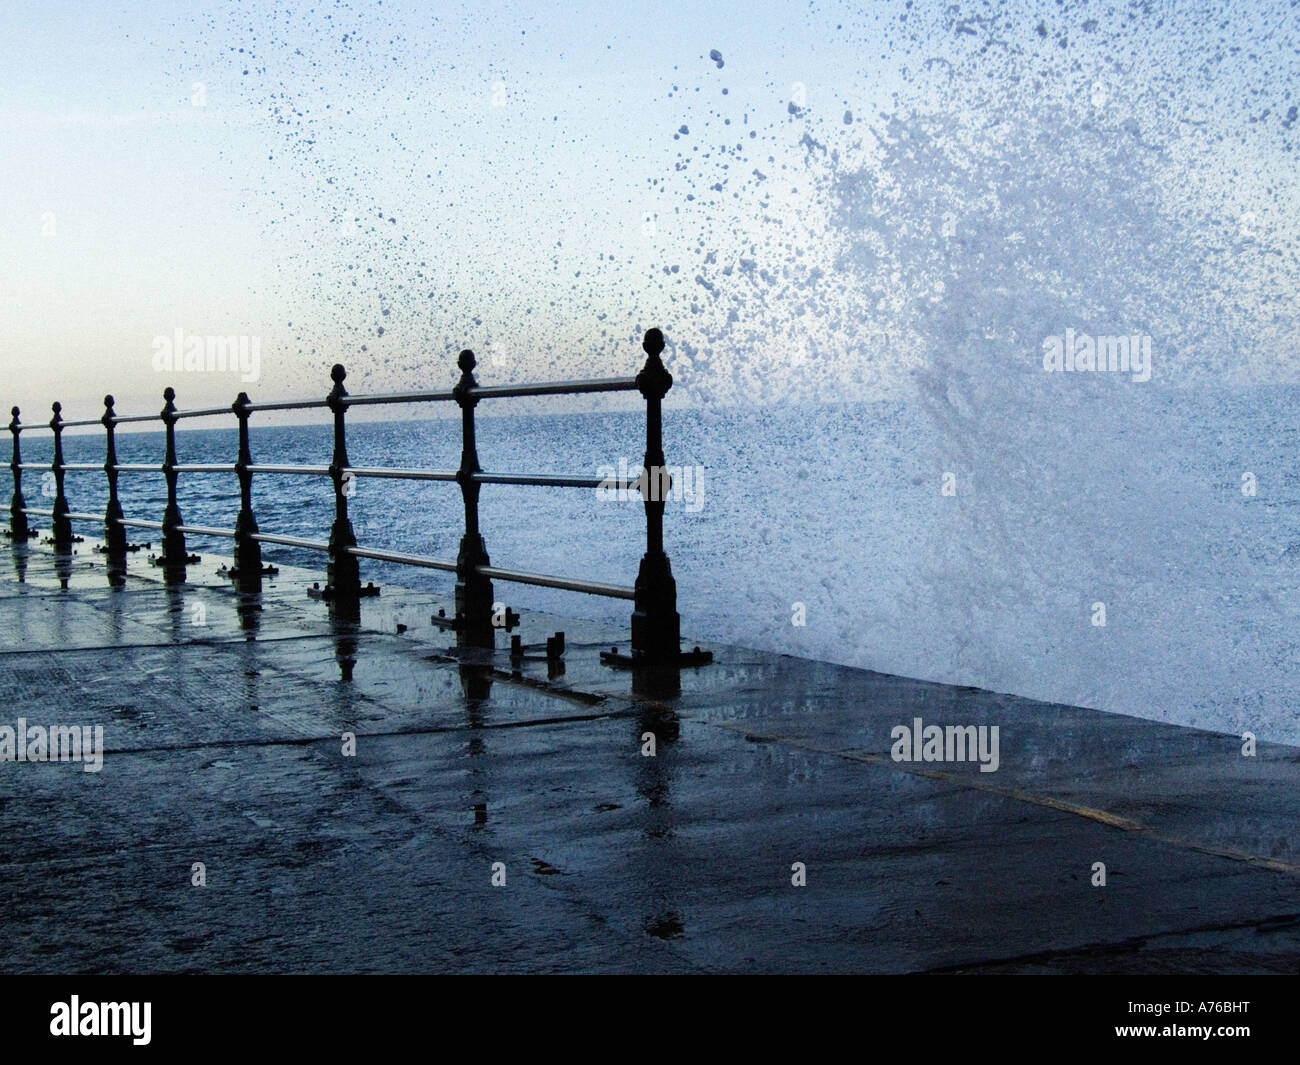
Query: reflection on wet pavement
{"type": "Point", "coordinates": [365, 798]}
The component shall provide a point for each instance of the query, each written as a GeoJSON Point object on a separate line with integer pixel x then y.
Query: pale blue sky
{"type": "Point", "coordinates": [516, 229]}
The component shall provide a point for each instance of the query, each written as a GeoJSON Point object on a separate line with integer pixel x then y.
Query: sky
{"type": "Point", "coordinates": [383, 184]}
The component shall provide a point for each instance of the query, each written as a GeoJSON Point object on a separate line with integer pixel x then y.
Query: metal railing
{"type": "Point", "coordinates": [656, 634]}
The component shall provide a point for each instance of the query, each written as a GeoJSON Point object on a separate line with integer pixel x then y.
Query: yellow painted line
{"type": "Point", "coordinates": [1124, 824]}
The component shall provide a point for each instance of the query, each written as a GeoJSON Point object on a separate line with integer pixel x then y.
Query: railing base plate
{"type": "Point", "coordinates": [162, 561]}
{"type": "Point", "coordinates": [326, 594]}
{"type": "Point", "coordinates": [692, 658]}
{"type": "Point", "coordinates": [233, 572]}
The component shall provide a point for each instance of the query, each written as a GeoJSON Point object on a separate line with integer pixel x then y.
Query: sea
{"type": "Point", "coordinates": [1101, 543]}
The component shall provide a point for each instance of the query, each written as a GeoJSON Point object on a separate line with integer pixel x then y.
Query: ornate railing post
{"type": "Point", "coordinates": [174, 554]}
{"type": "Point", "coordinates": [473, 590]}
{"type": "Point", "coordinates": [19, 530]}
{"type": "Point", "coordinates": [656, 627]}
{"type": "Point", "coordinates": [61, 524]}
{"type": "Point", "coordinates": [248, 552]}
{"type": "Point", "coordinates": [343, 572]}
{"type": "Point", "coordinates": [114, 531]}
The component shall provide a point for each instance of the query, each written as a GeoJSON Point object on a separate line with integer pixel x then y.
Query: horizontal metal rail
{"type": "Point", "coordinates": [555, 388]}
{"type": "Point", "coordinates": [315, 471]}
{"type": "Point", "coordinates": [207, 530]}
{"type": "Point", "coordinates": [116, 419]}
{"type": "Point", "coordinates": [552, 480]}
{"type": "Point", "coordinates": [398, 397]}
{"type": "Point", "coordinates": [289, 541]}
{"type": "Point", "coordinates": [402, 558]}
{"type": "Point", "coordinates": [72, 515]}
{"type": "Point", "coordinates": [543, 580]}
{"type": "Point", "coordinates": [203, 412]}
{"type": "Point", "coordinates": [613, 591]}
{"type": "Point", "coordinates": [82, 467]}
{"type": "Point", "coordinates": [549, 480]}
{"type": "Point", "coordinates": [403, 475]}
{"type": "Point", "coordinates": [283, 404]}
{"type": "Point", "coordinates": [546, 388]}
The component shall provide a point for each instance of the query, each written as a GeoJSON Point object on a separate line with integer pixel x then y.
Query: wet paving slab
{"type": "Point", "coordinates": [360, 824]}
{"type": "Point", "coordinates": [1188, 785]}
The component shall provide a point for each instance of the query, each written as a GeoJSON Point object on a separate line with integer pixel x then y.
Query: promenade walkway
{"type": "Point", "coordinates": [224, 744]}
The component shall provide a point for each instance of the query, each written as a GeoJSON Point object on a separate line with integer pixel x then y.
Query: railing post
{"type": "Point", "coordinates": [61, 525]}
{"type": "Point", "coordinates": [656, 626]}
{"type": "Point", "coordinates": [19, 530]}
{"type": "Point", "coordinates": [114, 531]}
{"type": "Point", "coordinates": [343, 573]}
{"type": "Point", "coordinates": [248, 552]}
{"type": "Point", "coordinates": [473, 590]}
{"type": "Point", "coordinates": [174, 553]}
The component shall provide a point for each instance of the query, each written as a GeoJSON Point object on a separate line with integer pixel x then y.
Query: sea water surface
{"type": "Point", "coordinates": [826, 531]}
